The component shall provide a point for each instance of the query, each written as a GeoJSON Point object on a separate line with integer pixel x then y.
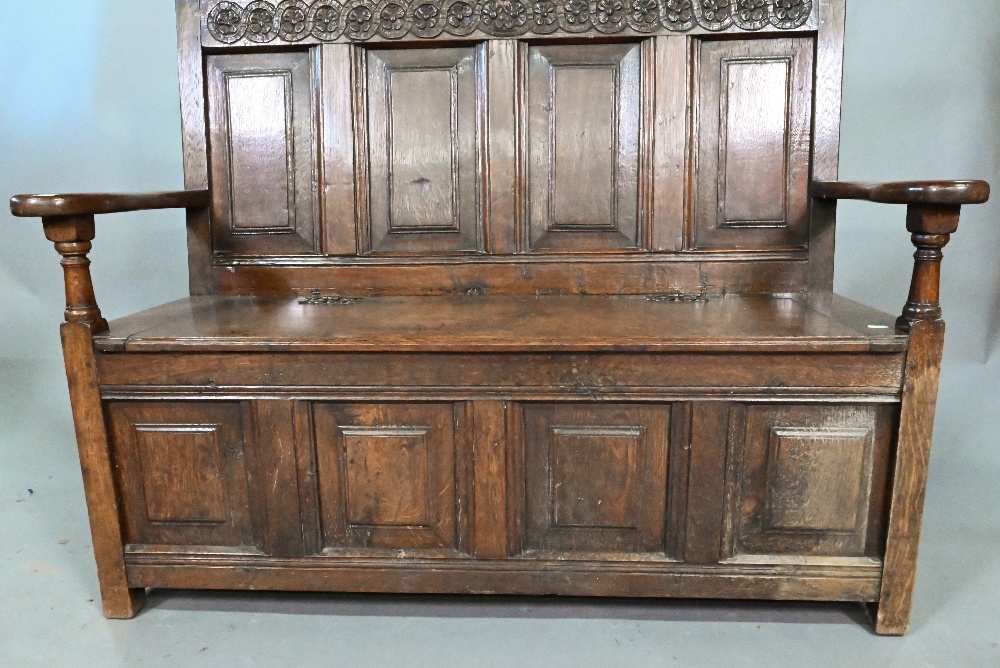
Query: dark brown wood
{"type": "Point", "coordinates": [595, 481]}
{"type": "Point", "coordinates": [261, 120]}
{"type": "Point", "coordinates": [95, 204]}
{"type": "Point", "coordinates": [194, 141]}
{"type": "Point", "coordinates": [72, 236]}
{"type": "Point", "coordinates": [387, 478]}
{"type": "Point", "coordinates": [424, 191]}
{"type": "Point", "coordinates": [857, 583]}
{"type": "Point", "coordinates": [625, 375]}
{"type": "Point", "coordinates": [909, 484]}
{"type": "Point", "coordinates": [706, 492]}
{"type": "Point", "coordinates": [664, 323]}
{"type": "Point", "coordinates": [584, 116]}
{"type": "Point", "coordinates": [249, 25]}
{"type": "Point", "coordinates": [492, 305]}
{"type": "Point", "coordinates": [931, 227]}
{"type": "Point", "coordinates": [184, 474]}
{"type": "Point", "coordinates": [490, 483]}
{"type": "Point", "coordinates": [274, 478]}
{"type": "Point", "coordinates": [339, 199]}
{"type": "Point", "coordinates": [826, 145]}
{"type": "Point", "coordinates": [754, 144]}
{"type": "Point", "coordinates": [945, 193]}
{"type": "Point", "coordinates": [801, 481]}
{"type": "Point", "coordinates": [118, 598]}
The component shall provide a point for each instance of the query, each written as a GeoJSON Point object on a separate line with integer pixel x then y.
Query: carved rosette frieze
{"type": "Point", "coordinates": [291, 21]}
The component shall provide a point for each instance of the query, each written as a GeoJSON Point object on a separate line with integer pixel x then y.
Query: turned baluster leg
{"type": "Point", "coordinates": [931, 227]}
{"type": "Point", "coordinates": [72, 236]}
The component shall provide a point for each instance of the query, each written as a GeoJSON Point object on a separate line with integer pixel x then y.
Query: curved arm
{"type": "Point", "coordinates": [69, 223]}
{"type": "Point", "coordinates": [932, 215]}
{"type": "Point", "coordinates": [906, 192]}
{"type": "Point", "coordinates": [95, 204]}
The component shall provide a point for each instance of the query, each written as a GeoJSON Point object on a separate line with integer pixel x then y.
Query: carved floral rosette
{"type": "Point", "coordinates": [262, 22]}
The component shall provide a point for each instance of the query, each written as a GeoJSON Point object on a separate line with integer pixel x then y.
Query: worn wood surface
{"type": "Point", "coordinates": [909, 482]}
{"type": "Point", "coordinates": [499, 315]}
{"type": "Point", "coordinates": [119, 599]}
{"type": "Point", "coordinates": [501, 323]}
{"type": "Point", "coordinates": [625, 374]}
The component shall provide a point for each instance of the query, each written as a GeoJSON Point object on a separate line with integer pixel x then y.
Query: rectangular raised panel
{"type": "Point", "coordinates": [183, 474]}
{"type": "Point", "coordinates": [424, 148]}
{"type": "Point", "coordinates": [806, 480]}
{"type": "Point", "coordinates": [386, 476]}
{"type": "Point", "coordinates": [754, 153]}
{"type": "Point", "coordinates": [258, 112]}
{"type": "Point", "coordinates": [594, 479]}
{"type": "Point", "coordinates": [593, 476]}
{"type": "Point", "coordinates": [583, 148]}
{"type": "Point", "coordinates": [423, 179]}
{"type": "Point", "coordinates": [585, 114]}
{"type": "Point", "coordinates": [754, 143]}
{"type": "Point", "coordinates": [263, 164]}
{"type": "Point", "coordinates": [810, 486]}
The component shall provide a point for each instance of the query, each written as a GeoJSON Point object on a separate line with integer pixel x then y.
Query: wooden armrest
{"type": "Point", "coordinates": [69, 223]}
{"type": "Point", "coordinates": [94, 204]}
{"type": "Point", "coordinates": [933, 212]}
{"type": "Point", "coordinates": [906, 192]}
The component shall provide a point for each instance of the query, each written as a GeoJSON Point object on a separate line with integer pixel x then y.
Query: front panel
{"type": "Point", "coordinates": [386, 476]}
{"type": "Point", "coordinates": [754, 144]}
{"type": "Point", "coordinates": [594, 480]}
{"type": "Point", "coordinates": [184, 475]}
{"type": "Point", "coordinates": [424, 150]}
{"type": "Point", "coordinates": [263, 165]}
{"type": "Point", "coordinates": [585, 116]}
{"type": "Point", "coordinates": [806, 480]}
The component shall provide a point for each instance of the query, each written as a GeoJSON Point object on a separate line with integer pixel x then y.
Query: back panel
{"type": "Point", "coordinates": [506, 146]}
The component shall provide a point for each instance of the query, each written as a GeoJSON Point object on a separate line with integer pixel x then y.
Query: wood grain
{"type": "Point", "coordinates": [546, 316]}
{"type": "Point", "coordinates": [261, 126]}
{"type": "Point", "coordinates": [499, 323]}
{"type": "Point", "coordinates": [583, 128]}
{"type": "Point", "coordinates": [490, 483]}
{"type": "Point", "coordinates": [671, 136]}
{"type": "Point", "coordinates": [754, 144]}
{"type": "Point", "coordinates": [194, 141]}
{"type": "Point", "coordinates": [423, 165]}
{"type": "Point", "coordinates": [119, 599]}
{"type": "Point", "coordinates": [338, 166]}
{"type": "Point", "coordinates": [909, 482]}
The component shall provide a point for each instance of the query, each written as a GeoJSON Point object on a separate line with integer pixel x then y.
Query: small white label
{"type": "Point", "coordinates": [878, 326]}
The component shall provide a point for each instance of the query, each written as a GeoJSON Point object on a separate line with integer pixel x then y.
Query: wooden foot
{"type": "Point", "coordinates": [884, 624]}
{"type": "Point", "coordinates": [123, 603]}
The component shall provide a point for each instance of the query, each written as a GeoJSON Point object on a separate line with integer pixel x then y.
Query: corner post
{"type": "Point", "coordinates": [931, 227]}
{"type": "Point", "coordinates": [72, 236]}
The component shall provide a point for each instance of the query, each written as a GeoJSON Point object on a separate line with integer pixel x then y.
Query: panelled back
{"type": "Point", "coordinates": [633, 146]}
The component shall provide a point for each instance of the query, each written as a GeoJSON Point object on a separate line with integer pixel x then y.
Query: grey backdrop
{"type": "Point", "coordinates": [89, 102]}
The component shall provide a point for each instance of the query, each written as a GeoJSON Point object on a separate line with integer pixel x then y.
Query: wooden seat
{"type": "Point", "coordinates": [505, 323]}
{"type": "Point", "coordinates": [515, 298]}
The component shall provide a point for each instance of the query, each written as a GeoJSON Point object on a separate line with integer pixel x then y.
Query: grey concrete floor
{"type": "Point", "coordinates": [49, 615]}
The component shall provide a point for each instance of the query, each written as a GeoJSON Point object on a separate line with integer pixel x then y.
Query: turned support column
{"type": "Point", "coordinates": [931, 227]}
{"type": "Point", "coordinates": [72, 236]}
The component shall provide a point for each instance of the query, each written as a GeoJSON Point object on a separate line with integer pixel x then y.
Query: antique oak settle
{"type": "Point", "coordinates": [510, 296]}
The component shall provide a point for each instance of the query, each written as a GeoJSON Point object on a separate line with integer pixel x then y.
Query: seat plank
{"type": "Point", "coordinates": [503, 323]}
